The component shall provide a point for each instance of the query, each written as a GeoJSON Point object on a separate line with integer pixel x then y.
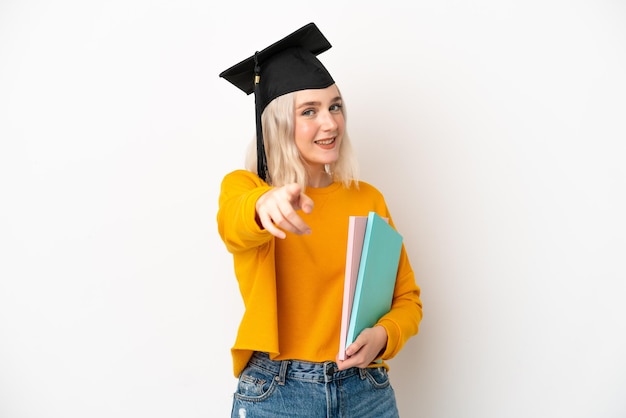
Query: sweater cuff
{"type": "Point", "coordinates": [393, 338]}
{"type": "Point", "coordinates": [250, 205]}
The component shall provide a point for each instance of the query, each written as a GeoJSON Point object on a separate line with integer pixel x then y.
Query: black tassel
{"type": "Point", "coordinates": [261, 158]}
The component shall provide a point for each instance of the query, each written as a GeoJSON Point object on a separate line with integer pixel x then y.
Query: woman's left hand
{"type": "Point", "coordinates": [367, 346]}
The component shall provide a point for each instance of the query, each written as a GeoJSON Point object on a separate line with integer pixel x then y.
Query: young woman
{"type": "Point", "coordinates": [285, 220]}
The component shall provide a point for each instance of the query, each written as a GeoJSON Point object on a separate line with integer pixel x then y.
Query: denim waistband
{"type": "Point", "coordinates": [303, 370]}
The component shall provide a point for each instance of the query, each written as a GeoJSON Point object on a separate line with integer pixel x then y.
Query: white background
{"type": "Point", "coordinates": [496, 129]}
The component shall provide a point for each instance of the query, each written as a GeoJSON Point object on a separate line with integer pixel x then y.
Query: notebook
{"type": "Point", "coordinates": [356, 234]}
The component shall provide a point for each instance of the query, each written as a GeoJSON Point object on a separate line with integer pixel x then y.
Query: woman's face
{"type": "Point", "coordinates": [319, 126]}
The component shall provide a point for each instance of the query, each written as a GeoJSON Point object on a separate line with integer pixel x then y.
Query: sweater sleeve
{"type": "Point", "coordinates": [236, 221]}
{"type": "Point", "coordinates": [403, 319]}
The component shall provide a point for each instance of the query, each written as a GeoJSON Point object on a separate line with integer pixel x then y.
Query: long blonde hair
{"type": "Point", "coordinates": [284, 163]}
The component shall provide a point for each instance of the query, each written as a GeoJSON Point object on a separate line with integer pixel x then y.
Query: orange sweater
{"type": "Point", "coordinates": [292, 289]}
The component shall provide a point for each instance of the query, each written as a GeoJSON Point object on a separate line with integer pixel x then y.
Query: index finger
{"type": "Point", "coordinates": [290, 220]}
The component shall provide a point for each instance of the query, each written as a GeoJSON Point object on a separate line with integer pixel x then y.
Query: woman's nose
{"type": "Point", "coordinates": [328, 121]}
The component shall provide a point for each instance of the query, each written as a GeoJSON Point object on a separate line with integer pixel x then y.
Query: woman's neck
{"type": "Point", "coordinates": [319, 178]}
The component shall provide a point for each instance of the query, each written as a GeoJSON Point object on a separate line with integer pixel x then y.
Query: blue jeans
{"type": "Point", "coordinates": [291, 389]}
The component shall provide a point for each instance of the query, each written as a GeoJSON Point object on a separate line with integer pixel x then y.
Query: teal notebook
{"type": "Point", "coordinates": [377, 275]}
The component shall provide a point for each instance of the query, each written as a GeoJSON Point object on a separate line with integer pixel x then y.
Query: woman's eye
{"type": "Point", "coordinates": [308, 112]}
{"type": "Point", "coordinates": [336, 107]}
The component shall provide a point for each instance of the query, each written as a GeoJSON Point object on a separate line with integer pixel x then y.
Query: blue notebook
{"type": "Point", "coordinates": [377, 275]}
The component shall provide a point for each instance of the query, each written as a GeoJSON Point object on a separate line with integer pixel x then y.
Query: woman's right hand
{"type": "Point", "coordinates": [276, 210]}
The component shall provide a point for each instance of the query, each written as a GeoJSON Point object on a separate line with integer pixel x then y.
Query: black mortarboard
{"type": "Point", "coordinates": [286, 66]}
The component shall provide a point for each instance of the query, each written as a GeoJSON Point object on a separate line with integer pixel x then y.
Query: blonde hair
{"type": "Point", "coordinates": [284, 163]}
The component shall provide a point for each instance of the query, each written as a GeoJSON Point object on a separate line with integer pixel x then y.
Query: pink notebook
{"type": "Point", "coordinates": [356, 233]}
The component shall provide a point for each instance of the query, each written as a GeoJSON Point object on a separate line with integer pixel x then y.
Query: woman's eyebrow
{"type": "Point", "coordinates": [312, 103]}
{"type": "Point", "coordinates": [317, 103]}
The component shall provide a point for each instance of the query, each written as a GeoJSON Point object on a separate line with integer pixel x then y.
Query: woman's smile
{"type": "Point", "coordinates": [326, 143]}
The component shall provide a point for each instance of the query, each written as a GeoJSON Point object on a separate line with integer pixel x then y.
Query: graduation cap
{"type": "Point", "coordinates": [286, 66]}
